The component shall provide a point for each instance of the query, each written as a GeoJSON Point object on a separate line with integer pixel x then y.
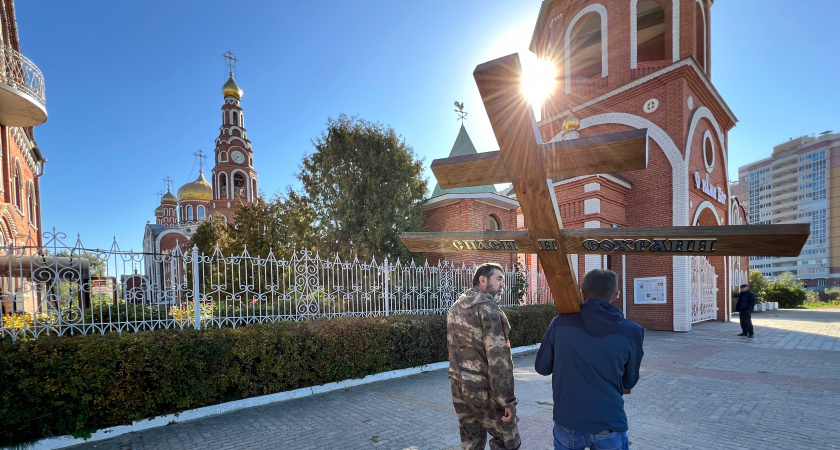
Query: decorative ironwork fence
{"type": "Point", "coordinates": [59, 289]}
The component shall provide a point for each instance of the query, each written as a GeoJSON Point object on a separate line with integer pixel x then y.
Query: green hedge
{"type": "Point", "coordinates": [76, 384]}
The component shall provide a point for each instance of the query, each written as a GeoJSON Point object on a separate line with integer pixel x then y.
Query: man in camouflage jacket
{"type": "Point", "coordinates": [480, 364]}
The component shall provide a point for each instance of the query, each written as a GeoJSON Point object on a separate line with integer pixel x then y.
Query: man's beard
{"type": "Point", "coordinates": [492, 292]}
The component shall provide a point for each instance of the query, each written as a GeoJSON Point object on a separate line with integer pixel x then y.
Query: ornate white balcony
{"type": "Point", "coordinates": [22, 102]}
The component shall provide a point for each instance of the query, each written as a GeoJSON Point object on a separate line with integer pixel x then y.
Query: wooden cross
{"type": "Point", "coordinates": [530, 166]}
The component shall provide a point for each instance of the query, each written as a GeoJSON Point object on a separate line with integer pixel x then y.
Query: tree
{"type": "Point", "coordinates": [757, 282]}
{"type": "Point", "coordinates": [367, 186]}
{"type": "Point", "coordinates": [786, 290]}
{"type": "Point", "coordinates": [280, 225]}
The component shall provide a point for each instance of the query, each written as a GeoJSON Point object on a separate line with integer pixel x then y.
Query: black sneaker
{"type": "Point", "coordinates": [751, 335]}
{"type": "Point", "coordinates": [742, 334]}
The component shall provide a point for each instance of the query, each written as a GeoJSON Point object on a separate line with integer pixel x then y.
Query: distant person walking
{"type": "Point", "coordinates": [593, 356]}
{"type": "Point", "coordinates": [746, 303]}
{"type": "Point", "coordinates": [480, 364]}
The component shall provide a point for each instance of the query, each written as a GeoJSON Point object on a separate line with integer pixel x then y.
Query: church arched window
{"type": "Point", "coordinates": [254, 187]}
{"type": "Point", "coordinates": [492, 223]}
{"type": "Point", "coordinates": [241, 119]}
{"type": "Point", "coordinates": [239, 186]}
{"type": "Point", "coordinates": [223, 185]}
{"type": "Point", "coordinates": [17, 186]}
{"type": "Point", "coordinates": [189, 213]}
{"type": "Point", "coordinates": [652, 38]}
{"type": "Point", "coordinates": [200, 212]}
{"type": "Point", "coordinates": [235, 115]}
{"type": "Point", "coordinates": [585, 48]}
{"type": "Point", "coordinates": [31, 204]}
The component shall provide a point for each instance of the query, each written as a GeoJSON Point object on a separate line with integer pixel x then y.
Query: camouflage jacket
{"type": "Point", "coordinates": [479, 350]}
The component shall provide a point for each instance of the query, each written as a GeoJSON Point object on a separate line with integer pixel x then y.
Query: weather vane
{"type": "Point", "coordinates": [167, 183]}
{"type": "Point", "coordinates": [231, 61]}
{"type": "Point", "coordinates": [201, 157]}
{"type": "Point", "coordinates": [462, 115]}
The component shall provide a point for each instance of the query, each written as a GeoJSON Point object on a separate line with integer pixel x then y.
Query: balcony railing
{"type": "Point", "coordinates": [22, 74]}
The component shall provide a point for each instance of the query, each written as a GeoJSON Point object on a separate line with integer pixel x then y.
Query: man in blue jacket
{"type": "Point", "coordinates": [746, 303]}
{"type": "Point", "coordinates": [593, 356]}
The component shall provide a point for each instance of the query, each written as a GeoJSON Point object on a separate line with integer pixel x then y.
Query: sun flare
{"type": "Point", "coordinates": [539, 79]}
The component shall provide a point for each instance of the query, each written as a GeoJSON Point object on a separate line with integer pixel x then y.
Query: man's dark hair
{"type": "Point", "coordinates": [745, 285]}
{"type": "Point", "coordinates": [485, 270]}
{"type": "Point", "coordinates": [600, 284]}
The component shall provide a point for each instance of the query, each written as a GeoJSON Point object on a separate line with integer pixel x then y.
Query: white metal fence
{"type": "Point", "coordinates": [58, 289]}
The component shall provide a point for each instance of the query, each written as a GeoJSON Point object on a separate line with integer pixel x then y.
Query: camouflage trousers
{"type": "Point", "coordinates": [479, 414]}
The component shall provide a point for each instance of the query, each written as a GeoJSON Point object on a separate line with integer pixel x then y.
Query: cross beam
{"type": "Point", "coordinates": [726, 240]}
{"type": "Point", "coordinates": [530, 166]}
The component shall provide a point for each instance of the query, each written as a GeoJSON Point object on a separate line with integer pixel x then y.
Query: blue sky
{"type": "Point", "coordinates": [134, 88]}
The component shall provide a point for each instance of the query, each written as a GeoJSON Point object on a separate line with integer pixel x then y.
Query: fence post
{"type": "Point", "coordinates": [387, 306]}
{"type": "Point", "coordinates": [196, 300]}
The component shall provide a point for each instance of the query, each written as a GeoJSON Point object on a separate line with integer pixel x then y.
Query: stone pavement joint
{"type": "Point", "coordinates": [706, 389]}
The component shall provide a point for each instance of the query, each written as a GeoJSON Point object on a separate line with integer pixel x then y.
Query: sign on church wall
{"type": "Point", "coordinates": [651, 290]}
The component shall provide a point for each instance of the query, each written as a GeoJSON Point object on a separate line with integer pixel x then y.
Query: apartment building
{"type": "Point", "coordinates": [798, 183]}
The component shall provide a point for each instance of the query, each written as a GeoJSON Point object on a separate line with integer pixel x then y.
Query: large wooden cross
{"type": "Point", "coordinates": [530, 166]}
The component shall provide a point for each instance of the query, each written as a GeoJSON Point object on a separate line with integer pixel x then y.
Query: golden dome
{"type": "Point", "coordinates": [159, 211]}
{"type": "Point", "coordinates": [199, 190]}
{"type": "Point", "coordinates": [168, 198]}
{"type": "Point", "coordinates": [571, 123]}
{"type": "Point", "coordinates": [230, 89]}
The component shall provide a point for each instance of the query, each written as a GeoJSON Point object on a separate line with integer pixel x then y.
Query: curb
{"type": "Point", "coordinates": [213, 410]}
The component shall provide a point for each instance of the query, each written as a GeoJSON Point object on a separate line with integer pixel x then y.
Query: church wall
{"type": "Point", "coordinates": [466, 215]}
{"type": "Point", "coordinates": [171, 240]}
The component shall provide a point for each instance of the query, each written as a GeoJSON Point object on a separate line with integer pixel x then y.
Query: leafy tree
{"type": "Point", "coordinates": [210, 233]}
{"type": "Point", "coordinates": [786, 290]}
{"type": "Point", "coordinates": [757, 284]}
{"type": "Point", "coordinates": [281, 225]}
{"type": "Point", "coordinates": [367, 186]}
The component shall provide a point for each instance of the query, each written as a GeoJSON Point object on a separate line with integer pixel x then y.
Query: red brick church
{"type": "Point", "coordinates": [233, 180]}
{"type": "Point", "coordinates": [630, 64]}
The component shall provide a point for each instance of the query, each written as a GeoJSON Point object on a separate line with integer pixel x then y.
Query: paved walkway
{"type": "Point", "coordinates": [707, 389]}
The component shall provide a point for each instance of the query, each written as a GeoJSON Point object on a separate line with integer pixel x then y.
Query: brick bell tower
{"type": "Point", "coordinates": [234, 177]}
{"type": "Point", "coordinates": [629, 64]}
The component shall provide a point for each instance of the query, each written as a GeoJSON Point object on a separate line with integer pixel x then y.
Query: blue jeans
{"type": "Point", "coordinates": [566, 439]}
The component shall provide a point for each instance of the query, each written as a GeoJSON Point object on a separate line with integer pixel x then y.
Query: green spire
{"type": "Point", "coordinates": [463, 146]}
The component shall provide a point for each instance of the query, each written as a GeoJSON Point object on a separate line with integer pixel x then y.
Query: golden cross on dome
{"type": "Point", "coordinates": [167, 183]}
{"type": "Point", "coordinates": [160, 195]}
{"type": "Point", "coordinates": [201, 157]}
{"type": "Point", "coordinates": [231, 61]}
{"type": "Point", "coordinates": [531, 165]}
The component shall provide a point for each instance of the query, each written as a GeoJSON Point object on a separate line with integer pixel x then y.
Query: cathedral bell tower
{"type": "Point", "coordinates": [234, 177]}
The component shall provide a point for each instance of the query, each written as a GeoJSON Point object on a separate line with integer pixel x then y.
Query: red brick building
{"type": "Point", "coordinates": [22, 107]}
{"type": "Point", "coordinates": [630, 64]}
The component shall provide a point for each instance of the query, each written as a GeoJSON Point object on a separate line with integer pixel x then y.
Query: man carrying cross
{"type": "Point", "coordinates": [592, 356]}
{"type": "Point", "coordinates": [480, 364]}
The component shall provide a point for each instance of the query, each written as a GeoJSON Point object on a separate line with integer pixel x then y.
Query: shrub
{"type": "Point", "coordinates": [786, 290]}
{"type": "Point", "coordinates": [77, 384]}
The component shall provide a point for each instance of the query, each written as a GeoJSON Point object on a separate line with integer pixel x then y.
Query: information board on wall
{"type": "Point", "coordinates": [649, 290]}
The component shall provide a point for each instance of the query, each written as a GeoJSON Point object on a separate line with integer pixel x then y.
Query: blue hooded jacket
{"type": "Point", "coordinates": [592, 356]}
